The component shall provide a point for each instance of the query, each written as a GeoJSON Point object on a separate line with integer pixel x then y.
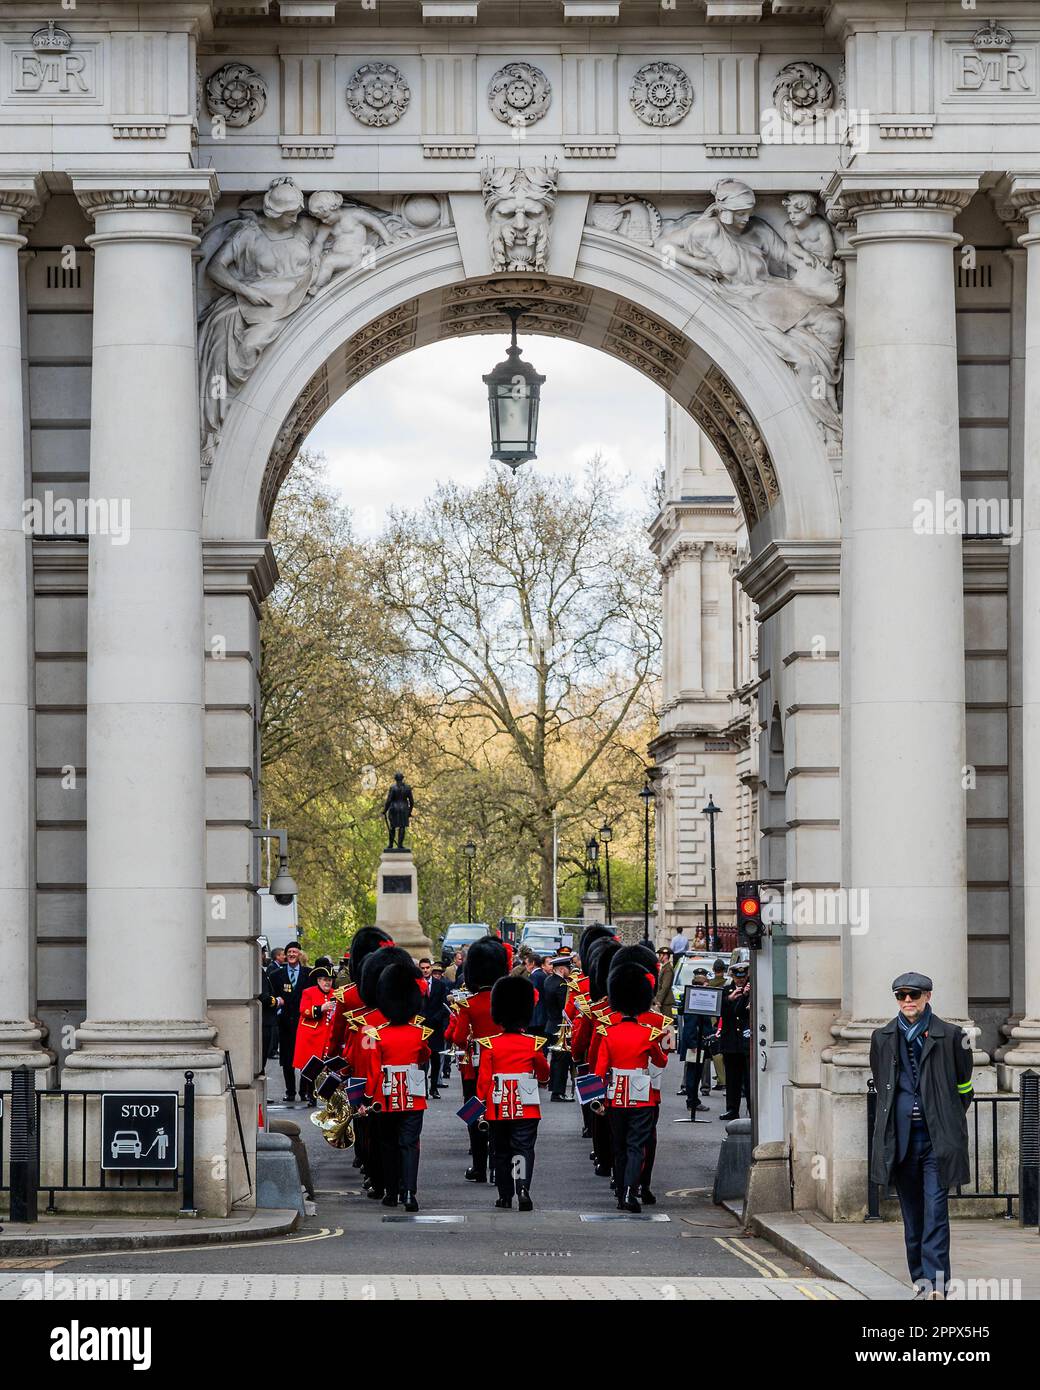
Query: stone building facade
{"type": "Point", "coordinates": [815, 226]}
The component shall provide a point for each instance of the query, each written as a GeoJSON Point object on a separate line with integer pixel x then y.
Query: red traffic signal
{"type": "Point", "coordinates": [749, 913]}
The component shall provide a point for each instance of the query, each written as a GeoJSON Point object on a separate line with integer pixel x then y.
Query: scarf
{"type": "Point", "coordinates": [915, 1034]}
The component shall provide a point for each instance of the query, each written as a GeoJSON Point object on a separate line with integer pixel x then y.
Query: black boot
{"type": "Point", "coordinates": [375, 1193]}
{"type": "Point", "coordinates": [410, 1204]}
{"type": "Point", "coordinates": [390, 1200]}
{"type": "Point", "coordinates": [476, 1175]}
{"type": "Point", "coordinates": [647, 1197]}
{"type": "Point", "coordinates": [504, 1203]}
{"type": "Point", "coordinates": [632, 1202]}
{"type": "Point", "coordinates": [523, 1198]}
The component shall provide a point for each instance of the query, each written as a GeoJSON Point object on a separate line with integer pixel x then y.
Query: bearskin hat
{"type": "Point", "coordinates": [486, 962]}
{"type": "Point", "coordinates": [629, 989]}
{"type": "Point", "coordinates": [643, 955]}
{"type": "Point", "coordinates": [397, 990]}
{"type": "Point", "coordinates": [593, 933]}
{"type": "Point", "coordinates": [364, 941]}
{"type": "Point", "coordinates": [601, 958]}
{"type": "Point", "coordinates": [375, 963]}
{"type": "Point", "coordinates": [512, 1002]}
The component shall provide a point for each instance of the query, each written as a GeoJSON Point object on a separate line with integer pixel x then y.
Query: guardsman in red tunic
{"type": "Point", "coordinates": [317, 1007]}
{"type": "Point", "coordinates": [512, 1065]}
{"type": "Point", "coordinates": [486, 962]}
{"type": "Point", "coordinates": [653, 1018]}
{"type": "Point", "coordinates": [348, 998]}
{"type": "Point", "coordinates": [365, 1027]}
{"type": "Point", "coordinates": [394, 1079]}
{"type": "Point", "coordinates": [629, 1050]}
{"type": "Point", "coordinates": [600, 957]}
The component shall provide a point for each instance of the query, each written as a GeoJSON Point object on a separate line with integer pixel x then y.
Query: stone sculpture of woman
{"type": "Point", "coordinates": [262, 263]}
{"type": "Point", "coordinates": [788, 293]}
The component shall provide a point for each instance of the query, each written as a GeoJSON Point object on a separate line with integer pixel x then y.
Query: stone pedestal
{"type": "Point", "coordinates": [593, 908]}
{"type": "Point", "coordinates": [397, 902]}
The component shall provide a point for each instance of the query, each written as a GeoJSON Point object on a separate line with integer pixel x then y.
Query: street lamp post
{"type": "Point", "coordinates": [592, 879]}
{"type": "Point", "coordinates": [711, 811]}
{"type": "Point", "coordinates": [469, 849]}
{"type": "Point", "coordinates": [606, 835]}
{"type": "Point", "coordinates": [648, 795]}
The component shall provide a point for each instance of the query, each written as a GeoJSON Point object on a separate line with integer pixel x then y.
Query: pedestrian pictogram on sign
{"type": "Point", "coordinates": [139, 1130]}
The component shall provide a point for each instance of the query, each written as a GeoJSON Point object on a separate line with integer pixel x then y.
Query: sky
{"type": "Point", "coordinates": [423, 418]}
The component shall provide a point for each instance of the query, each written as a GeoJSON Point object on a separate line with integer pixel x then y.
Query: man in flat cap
{"type": "Point", "coordinates": [922, 1072]}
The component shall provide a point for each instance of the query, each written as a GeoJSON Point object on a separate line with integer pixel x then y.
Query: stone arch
{"type": "Point", "coordinates": [620, 300]}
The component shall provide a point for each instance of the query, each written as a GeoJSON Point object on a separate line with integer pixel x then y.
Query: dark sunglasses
{"type": "Point", "coordinates": [902, 994]}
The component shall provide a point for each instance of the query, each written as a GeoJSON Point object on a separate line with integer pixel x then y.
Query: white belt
{"type": "Point", "coordinates": [414, 1079]}
{"type": "Point", "coordinates": [526, 1086]}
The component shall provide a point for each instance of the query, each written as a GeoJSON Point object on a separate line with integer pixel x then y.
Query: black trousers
{"type": "Point", "coordinates": [630, 1130]}
{"type": "Point", "coordinates": [372, 1144]}
{"type": "Point", "coordinates": [602, 1142]}
{"type": "Point", "coordinates": [433, 1071]}
{"type": "Point", "coordinates": [399, 1143]}
{"type": "Point", "coordinates": [559, 1071]}
{"type": "Point", "coordinates": [286, 1047]}
{"type": "Point", "coordinates": [513, 1144]}
{"type": "Point", "coordinates": [478, 1138]}
{"type": "Point", "coordinates": [650, 1151]}
{"type": "Point", "coordinates": [692, 1082]}
{"type": "Point", "coordinates": [738, 1080]}
{"type": "Point", "coordinates": [270, 1039]}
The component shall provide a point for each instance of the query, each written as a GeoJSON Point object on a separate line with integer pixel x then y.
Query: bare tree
{"type": "Point", "coordinates": [529, 611]}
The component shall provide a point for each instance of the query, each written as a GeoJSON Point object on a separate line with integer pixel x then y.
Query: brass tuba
{"type": "Point", "coordinates": [336, 1120]}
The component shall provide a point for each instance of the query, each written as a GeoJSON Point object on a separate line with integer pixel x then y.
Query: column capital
{"type": "Point", "coordinates": [849, 196]}
{"type": "Point", "coordinates": [22, 196]}
{"type": "Point", "coordinates": [1018, 207]}
{"type": "Point", "coordinates": [193, 191]}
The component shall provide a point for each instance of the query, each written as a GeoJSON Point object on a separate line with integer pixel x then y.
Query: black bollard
{"type": "Point", "coordinates": [24, 1159]}
{"type": "Point", "coordinates": [1029, 1150]}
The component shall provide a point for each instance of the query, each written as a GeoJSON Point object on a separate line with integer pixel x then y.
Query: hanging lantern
{"type": "Point", "coordinates": [513, 395]}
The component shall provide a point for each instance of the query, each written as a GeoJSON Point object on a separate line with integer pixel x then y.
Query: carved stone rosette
{"type": "Point", "coordinates": [237, 93]}
{"type": "Point", "coordinates": [661, 94]}
{"type": "Point", "coordinates": [377, 94]}
{"type": "Point", "coordinates": [519, 94]}
{"type": "Point", "coordinates": [803, 93]}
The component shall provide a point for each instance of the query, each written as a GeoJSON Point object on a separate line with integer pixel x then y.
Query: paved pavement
{"type": "Point", "coordinates": [574, 1245]}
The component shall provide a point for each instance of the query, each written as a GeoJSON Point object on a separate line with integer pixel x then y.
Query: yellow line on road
{"type": "Point", "coordinates": [733, 1249]}
{"type": "Point", "coordinates": [775, 1269]}
{"type": "Point", "coordinates": [807, 1292]}
{"type": "Point", "coordinates": [326, 1233]}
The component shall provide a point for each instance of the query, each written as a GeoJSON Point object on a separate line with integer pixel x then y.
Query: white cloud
{"type": "Point", "coordinates": [423, 418]}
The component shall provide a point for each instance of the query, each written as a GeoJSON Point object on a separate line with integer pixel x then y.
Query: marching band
{"type": "Point", "coordinates": [373, 1085]}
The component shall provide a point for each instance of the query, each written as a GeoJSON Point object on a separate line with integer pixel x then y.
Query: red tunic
{"type": "Point", "coordinates": [470, 1024]}
{"type": "Point", "coordinates": [312, 1035]}
{"type": "Point", "coordinates": [350, 1003]}
{"type": "Point", "coordinates": [510, 1055]}
{"type": "Point", "coordinates": [395, 1045]}
{"type": "Point", "coordinates": [630, 1046]}
{"type": "Point", "coordinates": [364, 1027]}
{"type": "Point", "coordinates": [576, 988]}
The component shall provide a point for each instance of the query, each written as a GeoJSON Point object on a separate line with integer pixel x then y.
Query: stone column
{"type": "Point", "coordinates": [1024, 1034]}
{"type": "Point", "coordinates": [906, 720]}
{"type": "Point", "coordinates": [146, 961]}
{"type": "Point", "coordinates": [20, 1034]}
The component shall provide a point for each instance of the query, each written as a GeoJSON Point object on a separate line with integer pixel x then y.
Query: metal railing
{"type": "Point", "coordinates": [997, 1160]}
{"type": "Point", "coordinates": [67, 1149]}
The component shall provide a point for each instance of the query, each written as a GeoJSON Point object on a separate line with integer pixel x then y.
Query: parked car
{"type": "Point", "coordinates": [544, 937]}
{"type": "Point", "coordinates": [461, 934]}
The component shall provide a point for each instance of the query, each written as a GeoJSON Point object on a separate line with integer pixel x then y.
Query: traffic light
{"type": "Point", "coordinates": [749, 914]}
